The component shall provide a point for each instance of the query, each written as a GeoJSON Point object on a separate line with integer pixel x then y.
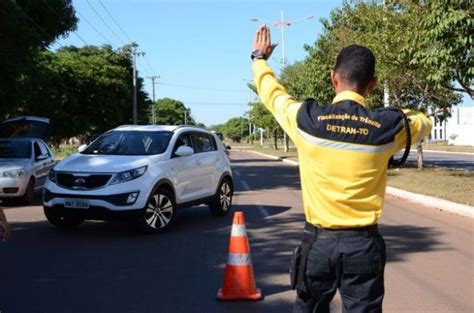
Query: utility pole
{"type": "Point", "coordinates": [135, 53]}
{"type": "Point", "coordinates": [282, 23]}
{"type": "Point", "coordinates": [153, 110]}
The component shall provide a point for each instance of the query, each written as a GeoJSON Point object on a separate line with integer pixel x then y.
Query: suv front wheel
{"type": "Point", "coordinates": [223, 198]}
{"type": "Point", "coordinates": [160, 212]}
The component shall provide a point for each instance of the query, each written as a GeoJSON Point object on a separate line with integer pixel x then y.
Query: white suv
{"type": "Point", "coordinates": [141, 173]}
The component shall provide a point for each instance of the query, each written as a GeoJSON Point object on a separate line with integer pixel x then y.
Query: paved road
{"type": "Point", "coordinates": [442, 159]}
{"type": "Point", "coordinates": [109, 267]}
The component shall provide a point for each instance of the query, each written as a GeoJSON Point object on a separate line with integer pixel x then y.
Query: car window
{"type": "Point", "coordinates": [15, 149]}
{"type": "Point", "coordinates": [44, 149]}
{"type": "Point", "coordinates": [183, 140]}
{"type": "Point", "coordinates": [37, 149]}
{"type": "Point", "coordinates": [203, 142]}
{"type": "Point", "coordinates": [130, 143]}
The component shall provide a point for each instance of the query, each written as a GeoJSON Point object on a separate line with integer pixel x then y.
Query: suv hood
{"type": "Point", "coordinates": [104, 163]}
{"type": "Point", "coordinates": [25, 126]}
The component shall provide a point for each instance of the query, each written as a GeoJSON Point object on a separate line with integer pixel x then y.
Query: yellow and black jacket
{"type": "Point", "coordinates": [343, 150]}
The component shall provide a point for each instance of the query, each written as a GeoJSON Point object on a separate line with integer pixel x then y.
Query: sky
{"type": "Point", "coordinates": [200, 49]}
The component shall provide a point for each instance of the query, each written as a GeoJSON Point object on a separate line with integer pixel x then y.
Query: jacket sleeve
{"type": "Point", "coordinates": [420, 128]}
{"type": "Point", "coordinates": [275, 98]}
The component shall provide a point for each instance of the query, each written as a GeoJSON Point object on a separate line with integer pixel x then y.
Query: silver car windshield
{"type": "Point", "coordinates": [15, 149]}
{"type": "Point", "coordinates": [130, 143]}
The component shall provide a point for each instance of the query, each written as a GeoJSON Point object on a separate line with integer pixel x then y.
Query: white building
{"type": "Point", "coordinates": [458, 129]}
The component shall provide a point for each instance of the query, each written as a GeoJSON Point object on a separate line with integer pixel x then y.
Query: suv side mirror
{"type": "Point", "coordinates": [41, 157]}
{"type": "Point", "coordinates": [184, 151]}
{"type": "Point", "coordinates": [81, 148]}
{"type": "Point", "coordinates": [228, 147]}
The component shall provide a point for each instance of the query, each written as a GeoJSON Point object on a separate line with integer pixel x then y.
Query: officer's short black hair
{"type": "Point", "coordinates": [356, 65]}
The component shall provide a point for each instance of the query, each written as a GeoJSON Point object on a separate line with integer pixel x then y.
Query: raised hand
{"type": "Point", "coordinates": [263, 42]}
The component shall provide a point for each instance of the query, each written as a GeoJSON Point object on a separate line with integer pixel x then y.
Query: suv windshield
{"type": "Point", "coordinates": [15, 149]}
{"type": "Point", "coordinates": [130, 143]}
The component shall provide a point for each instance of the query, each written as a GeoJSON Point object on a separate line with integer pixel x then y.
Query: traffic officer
{"type": "Point", "coordinates": [343, 152]}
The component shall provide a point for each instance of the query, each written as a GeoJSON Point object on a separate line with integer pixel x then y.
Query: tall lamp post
{"type": "Point", "coordinates": [281, 24]}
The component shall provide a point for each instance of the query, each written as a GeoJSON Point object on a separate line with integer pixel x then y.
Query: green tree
{"type": "Point", "coordinates": [262, 118]}
{"type": "Point", "coordinates": [447, 32]}
{"type": "Point", "coordinates": [27, 27]}
{"type": "Point", "coordinates": [235, 128]}
{"type": "Point", "coordinates": [82, 90]}
{"type": "Point", "coordinates": [172, 112]}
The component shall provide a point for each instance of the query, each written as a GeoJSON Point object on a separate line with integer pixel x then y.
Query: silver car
{"type": "Point", "coordinates": [25, 158]}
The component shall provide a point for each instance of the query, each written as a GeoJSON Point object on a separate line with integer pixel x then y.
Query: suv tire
{"type": "Point", "coordinates": [223, 198]}
{"type": "Point", "coordinates": [160, 212]}
{"type": "Point", "coordinates": [63, 222]}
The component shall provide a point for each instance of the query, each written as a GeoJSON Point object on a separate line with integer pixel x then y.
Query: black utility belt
{"type": "Point", "coordinates": [319, 232]}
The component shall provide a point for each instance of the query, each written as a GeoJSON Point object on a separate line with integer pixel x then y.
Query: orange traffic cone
{"type": "Point", "coordinates": [239, 280]}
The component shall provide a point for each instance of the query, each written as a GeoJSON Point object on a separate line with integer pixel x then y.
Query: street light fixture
{"type": "Point", "coordinates": [282, 23]}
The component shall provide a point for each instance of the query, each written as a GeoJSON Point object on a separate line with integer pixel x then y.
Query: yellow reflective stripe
{"type": "Point", "coordinates": [347, 146]}
{"type": "Point", "coordinates": [237, 259]}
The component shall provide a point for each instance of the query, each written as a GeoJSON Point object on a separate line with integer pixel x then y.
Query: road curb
{"type": "Point", "coordinates": [439, 151]}
{"type": "Point", "coordinates": [441, 204]}
{"type": "Point", "coordinates": [433, 202]}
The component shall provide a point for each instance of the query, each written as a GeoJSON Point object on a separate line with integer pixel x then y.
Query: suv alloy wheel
{"type": "Point", "coordinates": [160, 212]}
{"type": "Point", "coordinates": [223, 198]}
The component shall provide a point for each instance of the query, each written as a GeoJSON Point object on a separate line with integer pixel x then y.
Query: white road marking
{"type": "Point", "coordinates": [260, 208]}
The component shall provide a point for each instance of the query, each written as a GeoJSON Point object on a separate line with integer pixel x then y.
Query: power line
{"type": "Point", "coordinates": [59, 18]}
{"type": "Point", "coordinates": [105, 23]}
{"type": "Point", "coordinates": [37, 25]}
{"type": "Point", "coordinates": [200, 88]}
{"type": "Point", "coordinates": [93, 27]}
{"type": "Point", "coordinates": [149, 64]}
{"type": "Point", "coordinates": [116, 23]}
{"type": "Point", "coordinates": [215, 103]}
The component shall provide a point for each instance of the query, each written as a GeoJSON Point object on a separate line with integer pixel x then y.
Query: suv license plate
{"type": "Point", "coordinates": [76, 204]}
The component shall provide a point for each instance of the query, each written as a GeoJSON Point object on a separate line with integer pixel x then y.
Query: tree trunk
{"type": "Point", "coordinates": [419, 156]}
{"type": "Point", "coordinates": [286, 142]}
{"type": "Point", "coordinates": [275, 139]}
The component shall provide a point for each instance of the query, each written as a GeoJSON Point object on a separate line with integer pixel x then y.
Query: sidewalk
{"type": "Point", "coordinates": [432, 202]}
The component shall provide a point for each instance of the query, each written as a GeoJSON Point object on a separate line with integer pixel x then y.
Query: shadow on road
{"type": "Point", "coordinates": [111, 267]}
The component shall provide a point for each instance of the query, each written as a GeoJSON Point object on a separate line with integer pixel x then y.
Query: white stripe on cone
{"type": "Point", "coordinates": [238, 230]}
{"type": "Point", "coordinates": [238, 259]}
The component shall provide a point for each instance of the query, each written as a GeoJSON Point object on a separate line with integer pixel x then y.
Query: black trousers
{"type": "Point", "coordinates": [352, 261]}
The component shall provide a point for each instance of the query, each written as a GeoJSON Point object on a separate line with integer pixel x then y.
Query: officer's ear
{"type": "Point", "coordinates": [334, 79]}
{"type": "Point", "coordinates": [372, 84]}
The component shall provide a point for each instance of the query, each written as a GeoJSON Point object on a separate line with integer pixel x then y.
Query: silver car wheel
{"type": "Point", "coordinates": [225, 196]}
{"type": "Point", "coordinates": [159, 211]}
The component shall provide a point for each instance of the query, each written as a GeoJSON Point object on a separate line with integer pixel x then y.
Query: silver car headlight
{"type": "Point", "coordinates": [128, 175]}
{"type": "Point", "coordinates": [17, 173]}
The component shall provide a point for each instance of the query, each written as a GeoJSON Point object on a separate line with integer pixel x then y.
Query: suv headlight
{"type": "Point", "coordinates": [128, 175]}
{"type": "Point", "coordinates": [14, 173]}
{"type": "Point", "coordinates": [52, 175]}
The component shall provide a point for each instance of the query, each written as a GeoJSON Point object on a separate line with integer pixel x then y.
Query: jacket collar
{"type": "Point", "coordinates": [350, 95]}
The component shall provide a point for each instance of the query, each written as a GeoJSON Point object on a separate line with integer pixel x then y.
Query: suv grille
{"type": "Point", "coordinates": [72, 181]}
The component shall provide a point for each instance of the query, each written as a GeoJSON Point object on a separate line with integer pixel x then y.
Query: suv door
{"type": "Point", "coordinates": [205, 148]}
{"type": "Point", "coordinates": [186, 171]}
